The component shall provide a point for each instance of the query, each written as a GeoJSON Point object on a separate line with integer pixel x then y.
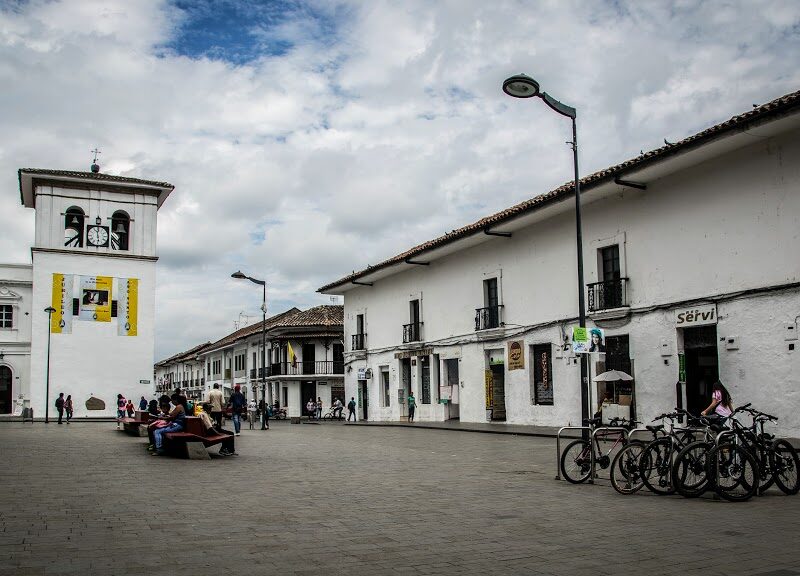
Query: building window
{"type": "Point", "coordinates": [73, 227]}
{"type": "Point", "coordinates": [542, 384]}
{"type": "Point", "coordinates": [387, 397]}
{"type": "Point", "coordinates": [6, 316]}
{"type": "Point", "coordinates": [489, 316]}
{"type": "Point", "coordinates": [411, 331]}
{"type": "Point", "coordinates": [120, 230]}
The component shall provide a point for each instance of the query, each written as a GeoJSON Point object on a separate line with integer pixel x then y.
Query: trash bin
{"type": "Point", "coordinates": [27, 414]}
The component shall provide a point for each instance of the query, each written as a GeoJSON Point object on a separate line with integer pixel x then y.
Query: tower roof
{"type": "Point", "coordinates": [29, 177]}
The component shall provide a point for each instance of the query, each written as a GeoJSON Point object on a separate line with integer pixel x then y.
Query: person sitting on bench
{"type": "Point", "coordinates": [177, 417]}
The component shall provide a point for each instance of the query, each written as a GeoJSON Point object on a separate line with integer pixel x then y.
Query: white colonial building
{"type": "Point", "coordinates": [16, 294]}
{"type": "Point", "coordinates": [691, 271]}
{"type": "Point", "coordinates": [85, 307]}
{"type": "Point", "coordinates": [304, 359]}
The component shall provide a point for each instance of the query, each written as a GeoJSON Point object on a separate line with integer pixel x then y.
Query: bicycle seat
{"type": "Point", "coordinates": [657, 428]}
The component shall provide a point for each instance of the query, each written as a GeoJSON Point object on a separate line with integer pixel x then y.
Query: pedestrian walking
{"type": "Point", "coordinates": [351, 409]}
{"type": "Point", "coordinates": [319, 408]}
{"type": "Point", "coordinates": [60, 407]}
{"type": "Point", "coordinates": [68, 407]}
{"type": "Point", "coordinates": [216, 400]}
{"type": "Point", "coordinates": [252, 410]}
{"type": "Point", "coordinates": [238, 404]}
{"type": "Point", "coordinates": [142, 404]}
{"type": "Point", "coordinates": [130, 409]}
{"type": "Point", "coordinates": [412, 406]}
{"type": "Point", "coordinates": [121, 402]}
{"type": "Point", "coordinates": [311, 408]}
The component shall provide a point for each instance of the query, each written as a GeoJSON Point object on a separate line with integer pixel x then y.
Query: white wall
{"type": "Point", "coordinates": [93, 360]}
{"type": "Point", "coordinates": [15, 342]}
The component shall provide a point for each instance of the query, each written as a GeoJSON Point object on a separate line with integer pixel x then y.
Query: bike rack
{"type": "Point", "coordinates": [635, 430]}
{"type": "Point", "coordinates": [558, 446]}
{"type": "Point", "coordinates": [592, 441]}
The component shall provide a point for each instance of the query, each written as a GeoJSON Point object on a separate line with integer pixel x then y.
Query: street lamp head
{"type": "Point", "coordinates": [238, 275]}
{"type": "Point", "coordinates": [49, 309]}
{"type": "Point", "coordinates": [521, 86]}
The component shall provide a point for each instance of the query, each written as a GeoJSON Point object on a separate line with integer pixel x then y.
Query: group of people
{"type": "Point", "coordinates": [64, 406]}
{"type": "Point", "coordinates": [314, 409]}
{"type": "Point", "coordinates": [171, 415]}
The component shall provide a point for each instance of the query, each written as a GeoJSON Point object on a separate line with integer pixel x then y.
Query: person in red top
{"type": "Point", "coordinates": [130, 409]}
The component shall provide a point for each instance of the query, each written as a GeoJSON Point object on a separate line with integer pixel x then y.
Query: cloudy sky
{"type": "Point", "coordinates": [307, 139]}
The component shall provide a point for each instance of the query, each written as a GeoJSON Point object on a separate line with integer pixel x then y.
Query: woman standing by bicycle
{"type": "Point", "coordinates": [721, 404]}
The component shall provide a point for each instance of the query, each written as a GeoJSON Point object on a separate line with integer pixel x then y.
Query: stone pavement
{"type": "Point", "coordinates": [342, 499]}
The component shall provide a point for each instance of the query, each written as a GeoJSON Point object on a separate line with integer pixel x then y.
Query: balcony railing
{"type": "Point", "coordinates": [359, 342]}
{"type": "Point", "coordinates": [487, 318]}
{"type": "Point", "coordinates": [307, 367]}
{"type": "Point", "coordinates": [607, 295]}
{"type": "Point", "coordinates": [412, 332]}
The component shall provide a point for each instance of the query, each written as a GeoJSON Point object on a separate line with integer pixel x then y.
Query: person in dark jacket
{"type": "Point", "coordinates": [60, 407]}
{"type": "Point", "coordinates": [238, 404]}
{"type": "Point", "coordinates": [142, 404]}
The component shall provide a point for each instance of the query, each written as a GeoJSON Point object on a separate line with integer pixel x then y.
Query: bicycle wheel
{"type": "Point", "coordinates": [766, 470]}
{"type": "Point", "coordinates": [735, 471]}
{"type": "Point", "coordinates": [575, 461]}
{"type": "Point", "coordinates": [626, 477]}
{"type": "Point", "coordinates": [656, 467]}
{"type": "Point", "coordinates": [784, 463]}
{"type": "Point", "coordinates": [689, 470]}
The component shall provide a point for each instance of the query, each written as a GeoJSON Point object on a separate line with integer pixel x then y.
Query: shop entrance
{"type": "Point", "coordinates": [6, 403]}
{"type": "Point", "coordinates": [308, 390]}
{"type": "Point", "coordinates": [702, 365]}
{"type": "Point", "coordinates": [498, 392]}
{"type": "Point", "coordinates": [405, 387]}
{"type": "Point", "coordinates": [363, 398]}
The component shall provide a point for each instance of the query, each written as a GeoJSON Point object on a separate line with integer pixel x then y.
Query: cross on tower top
{"type": "Point", "coordinates": [95, 165]}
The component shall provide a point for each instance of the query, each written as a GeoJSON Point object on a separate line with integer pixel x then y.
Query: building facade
{"type": "Point", "coordinates": [16, 292]}
{"type": "Point", "coordinates": [689, 273]}
{"type": "Point", "coordinates": [93, 287]}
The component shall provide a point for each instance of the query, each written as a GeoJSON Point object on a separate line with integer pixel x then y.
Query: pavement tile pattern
{"type": "Point", "coordinates": [341, 499]}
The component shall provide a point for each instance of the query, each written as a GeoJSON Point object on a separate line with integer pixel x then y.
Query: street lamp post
{"type": "Point", "coordinates": [240, 276]}
{"type": "Point", "coordinates": [522, 86]}
{"type": "Point", "coordinates": [49, 311]}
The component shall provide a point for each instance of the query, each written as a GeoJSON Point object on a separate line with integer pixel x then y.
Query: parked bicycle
{"type": "Point", "coordinates": [576, 459]}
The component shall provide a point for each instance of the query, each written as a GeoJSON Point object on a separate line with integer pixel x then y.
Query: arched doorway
{"type": "Point", "coordinates": [6, 404]}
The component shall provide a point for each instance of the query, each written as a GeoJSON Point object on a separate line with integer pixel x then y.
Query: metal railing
{"type": "Point", "coordinates": [412, 332]}
{"type": "Point", "coordinates": [607, 295]}
{"type": "Point", "coordinates": [487, 318]}
{"type": "Point", "coordinates": [358, 342]}
{"type": "Point", "coordinates": [307, 367]}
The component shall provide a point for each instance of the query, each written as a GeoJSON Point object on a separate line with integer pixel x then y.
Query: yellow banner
{"type": "Point", "coordinates": [61, 319]}
{"type": "Point", "coordinates": [489, 383]}
{"type": "Point", "coordinates": [131, 319]}
{"type": "Point", "coordinates": [103, 308]}
{"type": "Point", "coordinates": [57, 303]}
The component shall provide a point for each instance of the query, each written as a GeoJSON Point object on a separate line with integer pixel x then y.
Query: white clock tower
{"type": "Point", "coordinates": [94, 269]}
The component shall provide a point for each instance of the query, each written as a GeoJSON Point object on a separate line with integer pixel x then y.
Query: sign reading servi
{"type": "Point", "coordinates": [696, 316]}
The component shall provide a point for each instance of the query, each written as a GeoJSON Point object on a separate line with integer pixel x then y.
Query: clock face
{"type": "Point", "coordinates": [97, 235]}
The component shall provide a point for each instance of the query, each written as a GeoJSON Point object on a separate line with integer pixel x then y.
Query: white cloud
{"type": "Point", "coordinates": [350, 147]}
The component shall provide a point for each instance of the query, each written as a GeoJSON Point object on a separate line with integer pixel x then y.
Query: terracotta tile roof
{"type": "Point", "coordinates": [776, 108]}
{"type": "Point", "coordinates": [92, 176]}
{"type": "Point", "coordinates": [325, 315]}
{"type": "Point", "coordinates": [293, 335]}
{"type": "Point", "coordinates": [272, 321]}
{"type": "Point", "coordinates": [183, 355]}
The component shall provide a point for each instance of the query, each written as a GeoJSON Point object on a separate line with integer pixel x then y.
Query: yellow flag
{"type": "Point", "coordinates": [292, 357]}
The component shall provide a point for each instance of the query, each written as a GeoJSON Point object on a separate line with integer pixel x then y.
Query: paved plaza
{"type": "Point", "coordinates": [341, 499]}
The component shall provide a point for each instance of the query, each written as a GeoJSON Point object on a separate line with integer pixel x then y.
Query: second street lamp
{"type": "Point", "coordinates": [240, 276]}
{"type": "Point", "coordinates": [523, 86]}
{"type": "Point", "coordinates": [49, 311]}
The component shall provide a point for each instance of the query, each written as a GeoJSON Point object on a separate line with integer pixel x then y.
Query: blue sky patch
{"type": "Point", "coordinates": [242, 31]}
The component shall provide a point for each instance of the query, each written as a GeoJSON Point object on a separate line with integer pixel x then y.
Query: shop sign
{"type": "Point", "coordinates": [144, 381]}
{"type": "Point", "coordinates": [489, 384]}
{"type": "Point", "coordinates": [362, 374]}
{"type": "Point", "coordinates": [412, 353]}
{"type": "Point", "coordinates": [516, 356]}
{"type": "Point", "coordinates": [696, 316]}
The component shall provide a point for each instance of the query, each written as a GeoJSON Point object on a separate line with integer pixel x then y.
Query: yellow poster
{"type": "Point", "coordinates": [128, 307]}
{"type": "Point", "coordinates": [489, 383]}
{"type": "Point", "coordinates": [95, 298]}
{"type": "Point", "coordinates": [61, 319]}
